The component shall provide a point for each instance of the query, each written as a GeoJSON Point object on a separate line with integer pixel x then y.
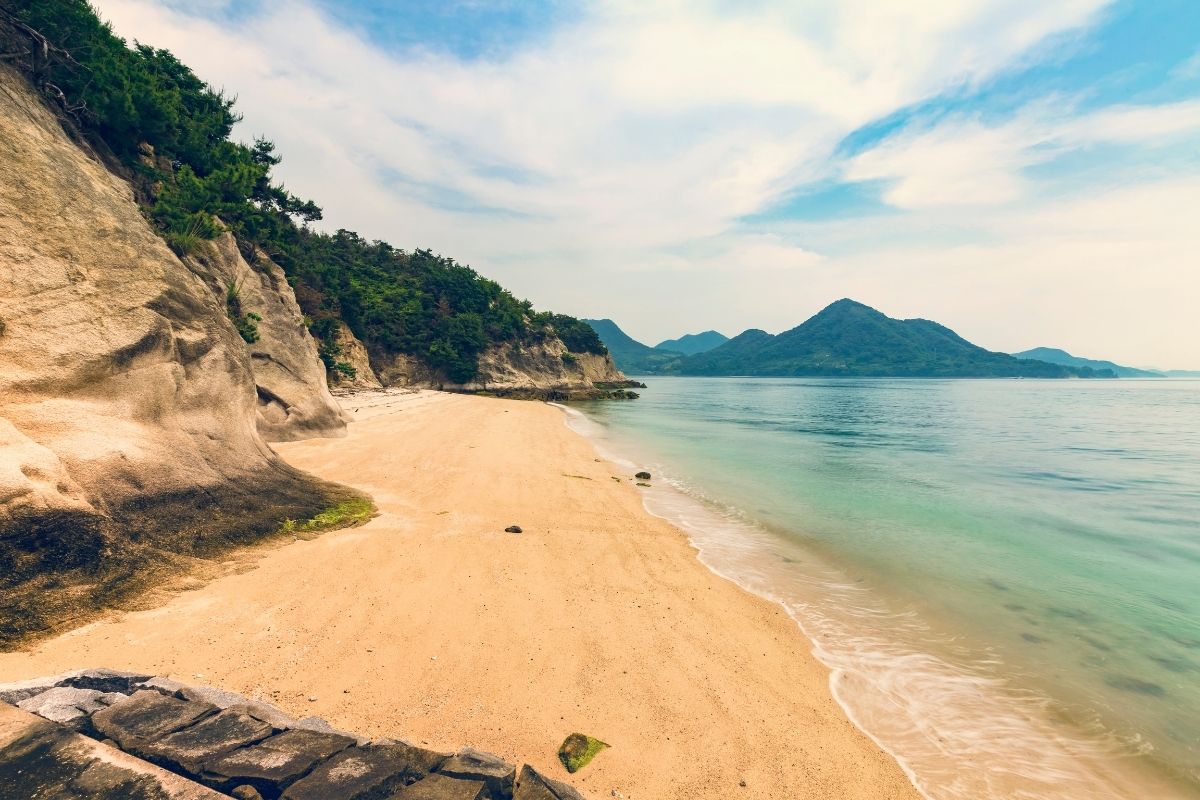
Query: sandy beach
{"type": "Point", "coordinates": [432, 624]}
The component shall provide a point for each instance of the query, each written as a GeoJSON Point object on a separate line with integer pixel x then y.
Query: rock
{"type": "Point", "coordinates": [642, 476]}
{"type": "Point", "coordinates": [370, 771]}
{"type": "Point", "coordinates": [443, 787]}
{"type": "Point", "coordinates": [147, 716]}
{"type": "Point", "coordinates": [577, 751]}
{"type": "Point", "coordinates": [207, 694]}
{"type": "Point", "coordinates": [164, 685]}
{"type": "Point", "coordinates": [532, 785]}
{"type": "Point", "coordinates": [128, 400]}
{"type": "Point", "coordinates": [106, 680]}
{"type": "Point", "coordinates": [354, 354]}
{"type": "Point", "coordinates": [513, 529]}
{"type": "Point", "coordinates": [473, 764]}
{"type": "Point", "coordinates": [13, 693]}
{"type": "Point", "coordinates": [188, 749]}
{"type": "Point", "coordinates": [275, 763]}
{"type": "Point", "coordinates": [246, 793]}
{"type": "Point", "coordinates": [293, 397]}
{"type": "Point", "coordinates": [642, 483]}
{"type": "Point", "coordinates": [267, 713]}
{"type": "Point", "coordinates": [41, 759]}
{"type": "Point", "coordinates": [64, 704]}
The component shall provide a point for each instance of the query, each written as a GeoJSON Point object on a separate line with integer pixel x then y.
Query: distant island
{"type": "Point", "coordinates": [692, 343]}
{"type": "Point", "coordinates": [1053, 355]}
{"type": "Point", "coordinates": [846, 338]}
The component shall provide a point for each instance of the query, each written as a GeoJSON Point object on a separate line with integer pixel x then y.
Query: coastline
{"type": "Point", "coordinates": [432, 623]}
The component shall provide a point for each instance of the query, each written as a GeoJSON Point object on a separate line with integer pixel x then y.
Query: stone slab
{"type": "Point", "coordinates": [106, 680]}
{"type": "Point", "coordinates": [147, 716]}
{"type": "Point", "coordinates": [188, 749]}
{"type": "Point", "coordinates": [533, 785]}
{"type": "Point", "coordinates": [476, 765]}
{"type": "Point", "coordinates": [275, 763]}
{"type": "Point", "coordinates": [64, 704]}
{"type": "Point", "coordinates": [370, 772]}
{"type": "Point", "coordinates": [443, 787]}
{"type": "Point", "coordinates": [42, 759]}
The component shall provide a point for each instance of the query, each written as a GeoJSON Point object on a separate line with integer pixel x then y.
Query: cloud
{"type": "Point", "coordinates": [606, 166]}
{"type": "Point", "coordinates": [964, 161]}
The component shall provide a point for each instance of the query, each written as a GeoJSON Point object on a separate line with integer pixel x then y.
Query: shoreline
{"type": "Point", "coordinates": [429, 622]}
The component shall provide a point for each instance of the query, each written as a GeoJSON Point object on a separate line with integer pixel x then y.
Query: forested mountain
{"type": "Point", "coordinates": [691, 343]}
{"type": "Point", "coordinates": [849, 338]}
{"type": "Point", "coordinates": [162, 128]}
{"type": "Point", "coordinates": [631, 356]}
{"type": "Point", "coordinates": [1053, 355]}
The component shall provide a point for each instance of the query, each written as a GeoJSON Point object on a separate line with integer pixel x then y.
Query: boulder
{"type": "Point", "coordinates": [66, 704]}
{"type": "Point", "coordinates": [41, 759]}
{"type": "Point", "coordinates": [443, 787]}
{"type": "Point", "coordinates": [187, 750]}
{"type": "Point", "coordinates": [642, 476]}
{"type": "Point", "coordinates": [513, 529]}
{"type": "Point", "coordinates": [477, 765]}
{"type": "Point", "coordinates": [532, 785]}
{"type": "Point", "coordinates": [275, 763]}
{"type": "Point", "coordinates": [364, 773]}
{"type": "Point", "coordinates": [146, 716]}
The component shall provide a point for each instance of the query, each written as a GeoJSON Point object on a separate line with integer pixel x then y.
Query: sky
{"type": "Point", "coordinates": [1025, 172]}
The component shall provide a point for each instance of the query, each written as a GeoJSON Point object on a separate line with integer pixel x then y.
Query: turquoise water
{"type": "Point", "coordinates": [979, 562]}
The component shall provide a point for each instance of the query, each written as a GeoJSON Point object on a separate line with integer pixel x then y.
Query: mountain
{"type": "Point", "coordinates": [692, 343]}
{"type": "Point", "coordinates": [851, 339]}
{"type": "Point", "coordinates": [1053, 355]}
{"type": "Point", "coordinates": [630, 355]}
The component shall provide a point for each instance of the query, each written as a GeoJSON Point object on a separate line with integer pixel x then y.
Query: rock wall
{"type": "Point", "coordinates": [224, 745]}
{"type": "Point", "coordinates": [354, 353]}
{"type": "Point", "coordinates": [545, 370]}
{"type": "Point", "coordinates": [128, 403]}
{"type": "Point", "coordinates": [293, 397]}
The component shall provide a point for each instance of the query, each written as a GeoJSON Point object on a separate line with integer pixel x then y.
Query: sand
{"type": "Point", "coordinates": [433, 624]}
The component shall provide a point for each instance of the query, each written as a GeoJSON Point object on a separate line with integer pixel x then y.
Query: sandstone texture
{"type": "Point", "coordinates": [354, 353]}
{"type": "Point", "coordinates": [230, 747]}
{"type": "Point", "coordinates": [129, 406]}
{"type": "Point", "coordinates": [293, 399]}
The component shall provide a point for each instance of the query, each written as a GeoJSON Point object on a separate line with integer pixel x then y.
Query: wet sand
{"type": "Point", "coordinates": [432, 624]}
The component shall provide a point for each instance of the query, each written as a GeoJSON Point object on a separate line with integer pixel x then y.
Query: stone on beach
{"type": "Point", "coordinates": [642, 476]}
{"type": "Point", "coordinates": [362, 772]}
{"type": "Point", "coordinates": [473, 764]}
{"type": "Point", "coordinates": [275, 763]}
{"type": "Point", "coordinates": [443, 787]}
{"type": "Point", "coordinates": [532, 785]}
{"type": "Point", "coordinates": [578, 750]}
{"type": "Point", "coordinates": [188, 749]}
{"type": "Point", "coordinates": [513, 529]}
{"type": "Point", "coordinates": [147, 716]}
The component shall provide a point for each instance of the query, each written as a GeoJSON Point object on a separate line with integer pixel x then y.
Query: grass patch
{"type": "Point", "coordinates": [345, 514]}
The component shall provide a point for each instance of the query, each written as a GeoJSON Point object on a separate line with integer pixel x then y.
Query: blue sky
{"type": "Point", "coordinates": [1024, 172]}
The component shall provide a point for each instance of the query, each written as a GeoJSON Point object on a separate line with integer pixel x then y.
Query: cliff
{"type": "Point", "coordinates": [544, 370]}
{"type": "Point", "coordinates": [129, 404]}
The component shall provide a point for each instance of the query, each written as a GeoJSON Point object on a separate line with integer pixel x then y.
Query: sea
{"type": "Point", "coordinates": [1003, 576]}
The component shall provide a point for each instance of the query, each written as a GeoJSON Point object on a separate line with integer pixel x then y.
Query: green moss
{"type": "Point", "coordinates": [344, 514]}
{"type": "Point", "coordinates": [578, 750]}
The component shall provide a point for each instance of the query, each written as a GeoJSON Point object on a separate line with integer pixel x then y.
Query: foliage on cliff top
{"type": "Point", "coordinates": [172, 131]}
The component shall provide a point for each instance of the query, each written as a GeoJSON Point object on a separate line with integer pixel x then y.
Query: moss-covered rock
{"type": "Point", "coordinates": [578, 750]}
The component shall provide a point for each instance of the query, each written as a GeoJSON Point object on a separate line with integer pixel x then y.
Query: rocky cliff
{"type": "Point", "coordinates": [129, 404]}
{"type": "Point", "coordinates": [545, 370]}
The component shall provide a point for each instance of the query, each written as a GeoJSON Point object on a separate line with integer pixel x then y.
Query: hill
{"type": "Point", "coordinates": [631, 356]}
{"type": "Point", "coordinates": [1053, 355]}
{"type": "Point", "coordinates": [692, 343]}
{"type": "Point", "coordinates": [850, 339]}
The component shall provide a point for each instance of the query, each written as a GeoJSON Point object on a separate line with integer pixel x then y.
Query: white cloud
{"type": "Point", "coordinates": [641, 132]}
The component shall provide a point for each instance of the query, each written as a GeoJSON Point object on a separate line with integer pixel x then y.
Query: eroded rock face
{"type": "Point", "coordinates": [543, 369]}
{"type": "Point", "coordinates": [125, 392]}
{"type": "Point", "coordinates": [354, 353]}
{"type": "Point", "coordinates": [293, 399]}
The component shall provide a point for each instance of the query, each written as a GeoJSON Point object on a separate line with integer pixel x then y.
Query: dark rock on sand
{"type": "Point", "coordinates": [513, 529]}
{"type": "Point", "coordinates": [476, 765]}
{"type": "Point", "coordinates": [106, 680]}
{"type": "Point", "coordinates": [147, 716]}
{"type": "Point", "coordinates": [365, 773]}
{"type": "Point", "coordinates": [532, 785]}
{"type": "Point", "coordinates": [276, 763]}
{"type": "Point", "coordinates": [578, 750]}
{"type": "Point", "coordinates": [642, 476]}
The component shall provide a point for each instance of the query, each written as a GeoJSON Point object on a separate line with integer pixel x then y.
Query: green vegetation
{"type": "Point", "coordinates": [578, 750]}
{"type": "Point", "coordinates": [169, 133]}
{"type": "Point", "coordinates": [344, 514]}
{"type": "Point", "coordinates": [246, 323]}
